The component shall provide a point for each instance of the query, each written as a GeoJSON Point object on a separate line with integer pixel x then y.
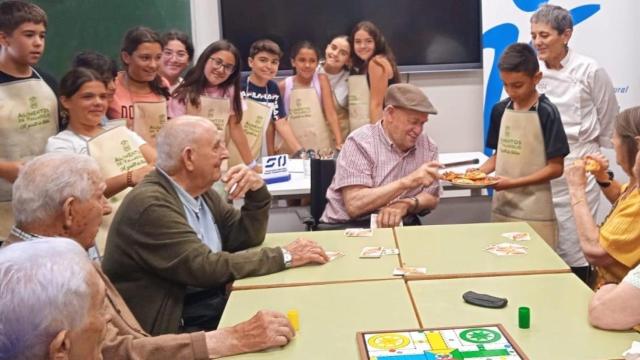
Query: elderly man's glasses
{"type": "Point", "coordinates": [218, 63]}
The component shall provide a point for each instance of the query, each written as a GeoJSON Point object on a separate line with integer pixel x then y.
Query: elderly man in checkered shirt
{"type": "Point", "coordinates": [388, 168]}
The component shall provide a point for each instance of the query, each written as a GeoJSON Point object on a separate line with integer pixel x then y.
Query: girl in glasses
{"type": "Point", "coordinates": [177, 53]}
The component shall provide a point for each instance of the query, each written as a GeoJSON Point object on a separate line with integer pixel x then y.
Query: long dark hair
{"type": "Point", "coordinates": [381, 48]}
{"type": "Point", "coordinates": [195, 81]}
{"type": "Point", "coordinates": [295, 49]}
{"type": "Point", "coordinates": [73, 80]}
{"type": "Point", "coordinates": [134, 38]}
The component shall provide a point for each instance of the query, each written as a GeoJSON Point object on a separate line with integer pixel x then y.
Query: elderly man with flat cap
{"type": "Point", "coordinates": [174, 243]}
{"type": "Point", "coordinates": [388, 168]}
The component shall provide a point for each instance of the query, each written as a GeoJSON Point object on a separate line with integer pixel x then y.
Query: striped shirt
{"type": "Point", "coordinates": [369, 158]}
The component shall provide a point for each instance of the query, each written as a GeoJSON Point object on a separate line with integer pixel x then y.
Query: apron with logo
{"type": "Point", "coordinates": [343, 121]}
{"type": "Point", "coordinates": [521, 152]}
{"type": "Point", "coordinates": [148, 119]}
{"type": "Point", "coordinates": [215, 109]}
{"type": "Point", "coordinates": [115, 153]}
{"type": "Point", "coordinates": [255, 120]}
{"type": "Point", "coordinates": [28, 117]}
{"type": "Point", "coordinates": [358, 101]}
{"type": "Point", "coordinates": [307, 121]}
{"type": "Point", "coordinates": [563, 89]}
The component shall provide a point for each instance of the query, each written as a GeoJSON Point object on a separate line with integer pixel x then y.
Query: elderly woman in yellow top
{"type": "Point", "coordinates": [614, 247]}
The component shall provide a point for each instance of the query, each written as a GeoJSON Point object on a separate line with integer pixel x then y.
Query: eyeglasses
{"type": "Point", "coordinates": [217, 62]}
{"type": "Point", "coordinates": [180, 55]}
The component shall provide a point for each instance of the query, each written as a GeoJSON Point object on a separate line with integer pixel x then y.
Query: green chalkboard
{"type": "Point", "coordinates": [76, 25]}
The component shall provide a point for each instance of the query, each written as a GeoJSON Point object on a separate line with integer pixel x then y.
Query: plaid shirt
{"type": "Point", "coordinates": [370, 159]}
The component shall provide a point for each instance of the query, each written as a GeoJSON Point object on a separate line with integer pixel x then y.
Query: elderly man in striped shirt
{"type": "Point", "coordinates": [388, 168]}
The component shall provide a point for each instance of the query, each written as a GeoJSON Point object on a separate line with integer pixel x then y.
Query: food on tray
{"type": "Point", "coordinates": [591, 165]}
{"type": "Point", "coordinates": [475, 175]}
{"type": "Point", "coordinates": [472, 178]}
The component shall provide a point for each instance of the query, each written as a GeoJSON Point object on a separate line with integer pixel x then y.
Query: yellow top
{"type": "Point", "coordinates": [620, 237]}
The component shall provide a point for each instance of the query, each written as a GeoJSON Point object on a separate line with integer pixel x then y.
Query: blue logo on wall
{"type": "Point", "coordinates": [503, 35]}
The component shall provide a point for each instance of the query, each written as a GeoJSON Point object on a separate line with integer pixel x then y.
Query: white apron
{"type": "Point", "coordinates": [358, 101]}
{"type": "Point", "coordinates": [28, 117]}
{"type": "Point", "coordinates": [255, 120]}
{"type": "Point", "coordinates": [563, 90]}
{"type": "Point", "coordinates": [307, 121]}
{"type": "Point", "coordinates": [148, 119]}
{"type": "Point", "coordinates": [115, 153]}
{"type": "Point", "coordinates": [521, 152]}
{"type": "Point", "coordinates": [217, 110]}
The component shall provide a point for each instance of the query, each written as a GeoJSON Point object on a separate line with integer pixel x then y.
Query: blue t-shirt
{"type": "Point", "coordinates": [269, 95]}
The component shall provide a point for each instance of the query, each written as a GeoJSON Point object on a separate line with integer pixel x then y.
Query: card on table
{"type": "Point", "coordinates": [409, 270]}
{"type": "Point", "coordinates": [505, 249]}
{"type": "Point", "coordinates": [358, 232]}
{"type": "Point", "coordinates": [517, 236]}
{"type": "Point", "coordinates": [334, 255]}
{"type": "Point", "coordinates": [371, 252]}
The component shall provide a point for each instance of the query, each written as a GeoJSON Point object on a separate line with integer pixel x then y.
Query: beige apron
{"type": "Point", "coordinates": [343, 121]}
{"type": "Point", "coordinates": [307, 121]}
{"type": "Point", "coordinates": [255, 119]}
{"type": "Point", "coordinates": [521, 152]}
{"type": "Point", "coordinates": [215, 109]}
{"type": "Point", "coordinates": [358, 101]}
{"type": "Point", "coordinates": [28, 117]}
{"type": "Point", "coordinates": [148, 119]}
{"type": "Point", "coordinates": [115, 153]}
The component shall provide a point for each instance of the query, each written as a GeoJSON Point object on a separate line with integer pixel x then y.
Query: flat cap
{"type": "Point", "coordinates": [410, 97]}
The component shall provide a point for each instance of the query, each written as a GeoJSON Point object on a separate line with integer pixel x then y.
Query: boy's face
{"type": "Point", "coordinates": [519, 85]}
{"type": "Point", "coordinates": [25, 45]}
{"type": "Point", "coordinates": [264, 65]}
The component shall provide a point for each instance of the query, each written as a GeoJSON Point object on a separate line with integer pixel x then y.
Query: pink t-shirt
{"type": "Point", "coordinates": [177, 108]}
{"type": "Point", "coordinates": [122, 105]}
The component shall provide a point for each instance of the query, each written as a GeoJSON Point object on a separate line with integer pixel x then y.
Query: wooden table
{"type": "Point", "coordinates": [558, 303]}
{"type": "Point", "coordinates": [330, 315]}
{"type": "Point", "coordinates": [452, 251]}
{"type": "Point", "coordinates": [345, 269]}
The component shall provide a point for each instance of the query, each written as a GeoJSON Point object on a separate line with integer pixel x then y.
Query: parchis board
{"type": "Point", "coordinates": [481, 342]}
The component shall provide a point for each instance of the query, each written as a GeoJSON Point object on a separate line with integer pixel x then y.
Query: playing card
{"type": "Point", "coordinates": [334, 255]}
{"type": "Point", "coordinates": [358, 232]}
{"type": "Point", "coordinates": [505, 249]}
{"type": "Point", "coordinates": [409, 270]}
{"type": "Point", "coordinates": [517, 236]}
{"type": "Point", "coordinates": [371, 252]}
{"type": "Point", "coordinates": [389, 251]}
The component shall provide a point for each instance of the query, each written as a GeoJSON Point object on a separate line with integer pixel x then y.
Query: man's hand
{"type": "Point", "coordinates": [576, 177]}
{"type": "Point", "coordinates": [305, 251]}
{"type": "Point", "coordinates": [266, 329]}
{"type": "Point", "coordinates": [425, 175]}
{"type": "Point", "coordinates": [391, 215]}
{"type": "Point", "coordinates": [240, 179]}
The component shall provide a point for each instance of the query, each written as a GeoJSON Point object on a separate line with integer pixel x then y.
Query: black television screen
{"type": "Point", "coordinates": [425, 35]}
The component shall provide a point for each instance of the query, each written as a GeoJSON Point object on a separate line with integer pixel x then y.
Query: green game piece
{"type": "Point", "coordinates": [524, 317]}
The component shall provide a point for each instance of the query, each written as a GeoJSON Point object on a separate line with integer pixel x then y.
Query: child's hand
{"type": "Point", "coordinates": [503, 183]}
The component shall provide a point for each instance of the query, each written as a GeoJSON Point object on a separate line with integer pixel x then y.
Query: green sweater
{"type": "Point", "coordinates": [153, 254]}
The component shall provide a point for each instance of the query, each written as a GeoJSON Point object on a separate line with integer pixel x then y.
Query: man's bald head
{"type": "Point", "coordinates": [178, 134]}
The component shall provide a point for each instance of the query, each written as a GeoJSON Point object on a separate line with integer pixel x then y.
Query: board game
{"type": "Point", "coordinates": [482, 342]}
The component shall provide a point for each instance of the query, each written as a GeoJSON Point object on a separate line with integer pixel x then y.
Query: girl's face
{"type": "Point", "coordinates": [144, 62]}
{"type": "Point", "coordinates": [363, 45]}
{"type": "Point", "coordinates": [175, 59]}
{"type": "Point", "coordinates": [88, 105]}
{"type": "Point", "coordinates": [337, 53]}
{"type": "Point", "coordinates": [305, 63]}
{"type": "Point", "coordinates": [219, 67]}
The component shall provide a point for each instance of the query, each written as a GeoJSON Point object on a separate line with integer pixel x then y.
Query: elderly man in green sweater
{"type": "Point", "coordinates": [174, 243]}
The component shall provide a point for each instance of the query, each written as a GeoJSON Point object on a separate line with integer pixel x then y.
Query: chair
{"type": "Point", "coordinates": [322, 172]}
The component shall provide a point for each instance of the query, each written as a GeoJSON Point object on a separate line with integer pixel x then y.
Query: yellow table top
{"type": "Point", "coordinates": [451, 251]}
{"type": "Point", "coordinates": [558, 303]}
{"type": "Point", "coordinates": [347, 268]}
{"type": "Point", "coordinates": [330, 315]}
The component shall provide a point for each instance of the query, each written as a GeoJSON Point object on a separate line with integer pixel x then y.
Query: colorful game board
{"type": "Point", "coordinates": [486, 342]}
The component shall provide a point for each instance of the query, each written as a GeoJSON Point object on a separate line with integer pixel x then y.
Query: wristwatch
{"type": "Point", "coordinates": [606, 184]}
{"type": "Point", "coordinates": [288, 259]}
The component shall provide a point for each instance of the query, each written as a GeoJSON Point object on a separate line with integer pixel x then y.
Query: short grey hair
{"type": "Point", "coordinates": [555, 16]}
{"type": "Point", "coordinates": [175, 136]}
{"type": "Point", "coordinates": [47, 181]}
{"type": "Point", "coordinates": [43, 290]}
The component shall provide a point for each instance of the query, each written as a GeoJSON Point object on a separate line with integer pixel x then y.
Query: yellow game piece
{"type": "Point", "coordinates": [294, 319]}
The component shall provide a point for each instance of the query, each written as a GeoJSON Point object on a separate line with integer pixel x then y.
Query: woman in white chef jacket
{"type": "Point", "coordinates": [584, 95]}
